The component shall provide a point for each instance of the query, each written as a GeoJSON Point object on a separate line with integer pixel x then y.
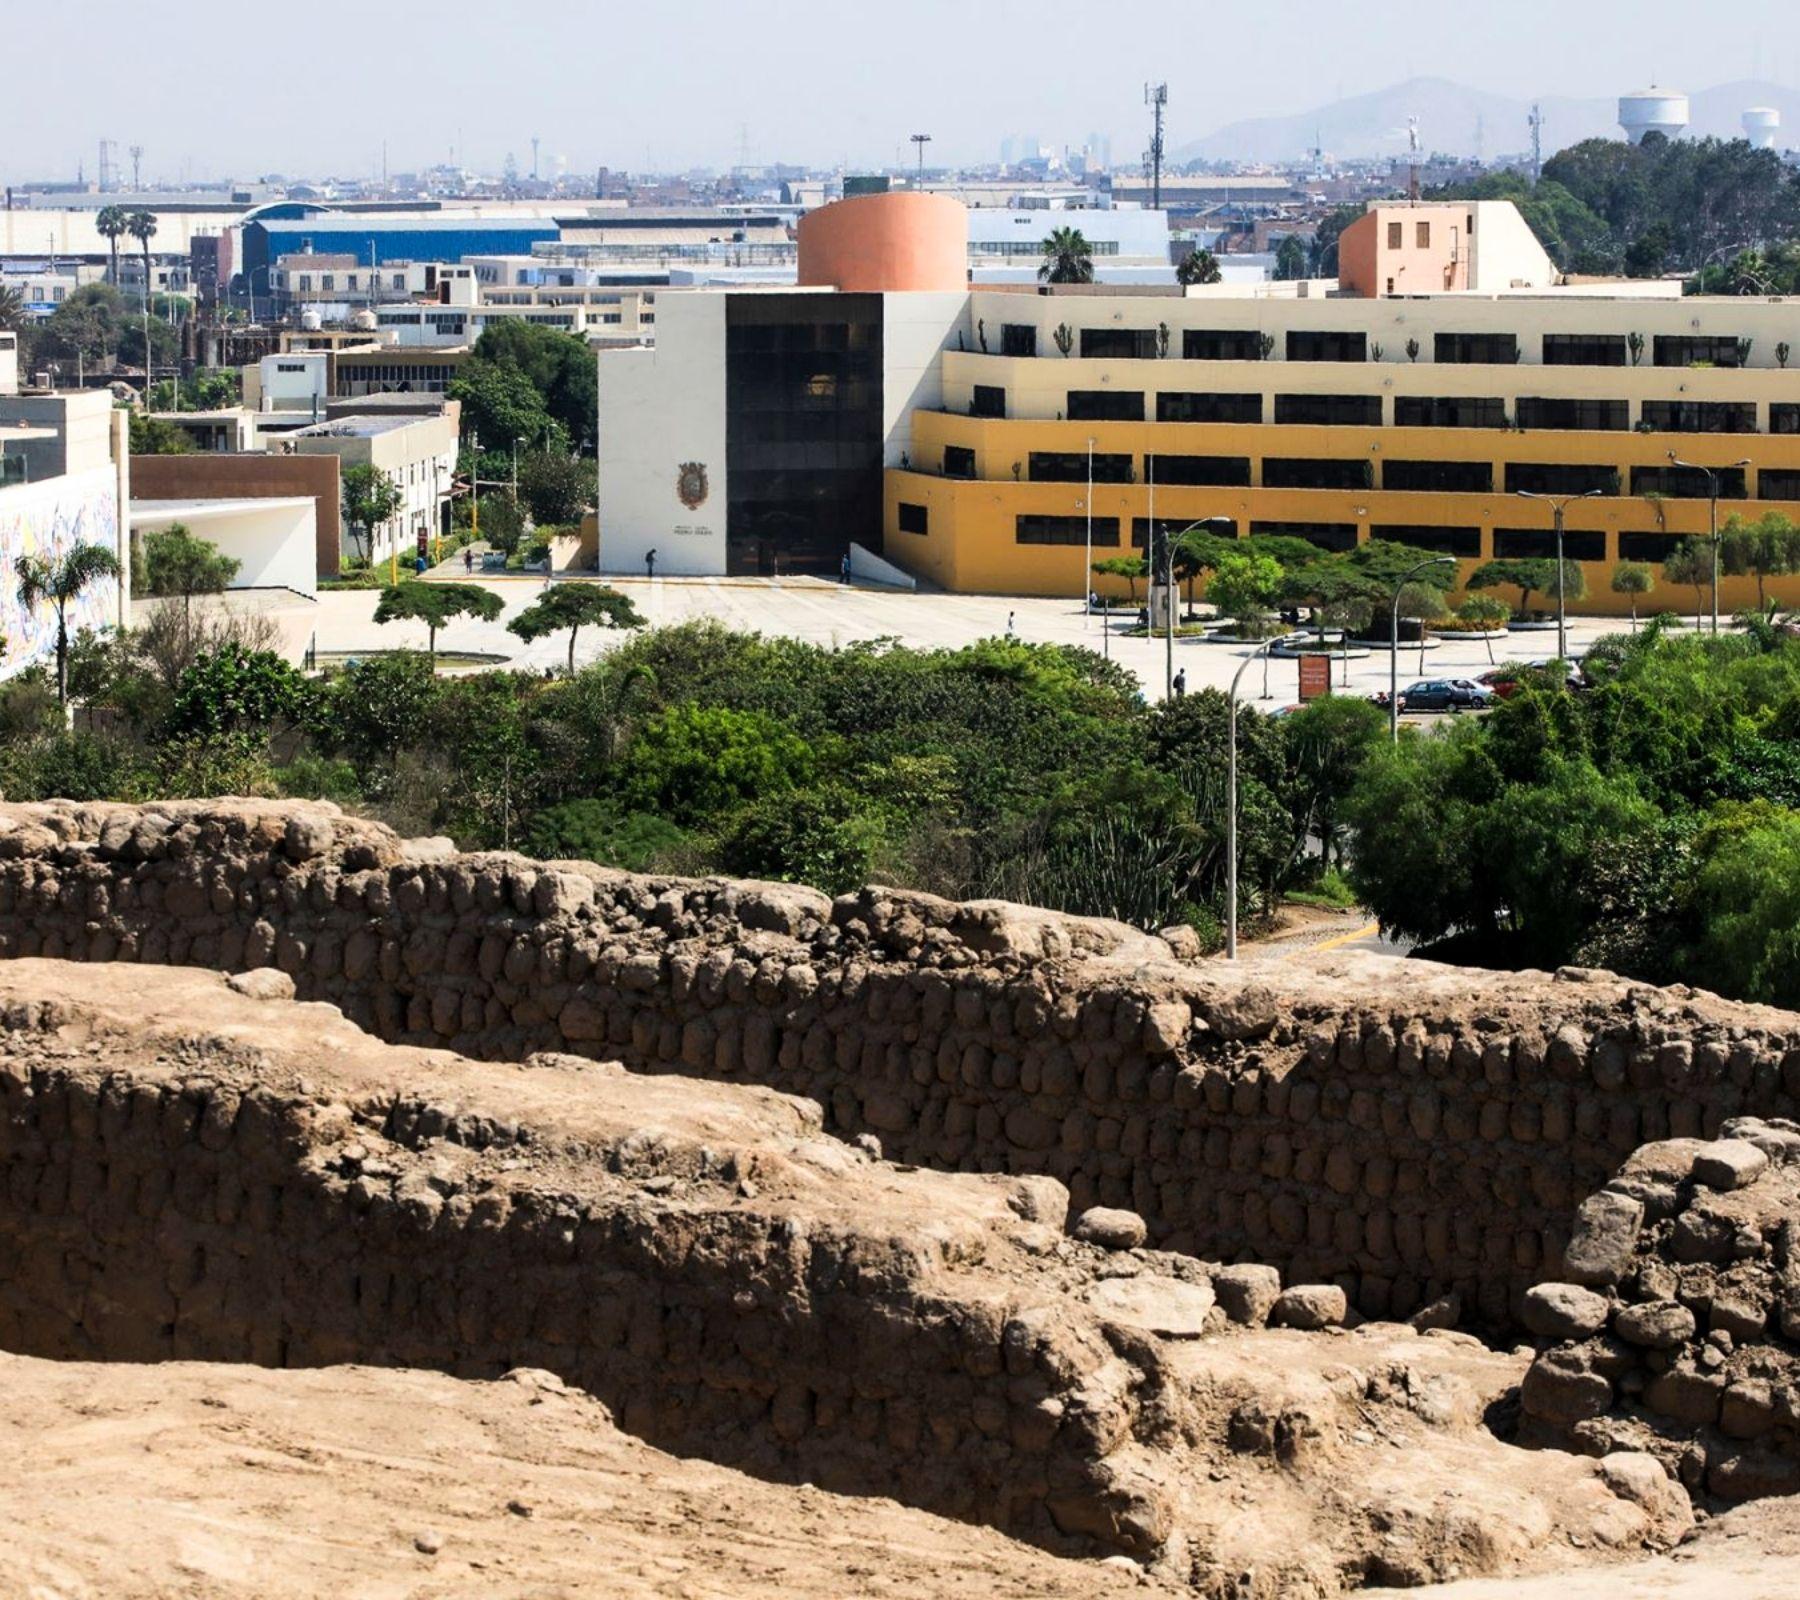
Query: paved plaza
{"type": "Point", "coordinates": [342, 621]}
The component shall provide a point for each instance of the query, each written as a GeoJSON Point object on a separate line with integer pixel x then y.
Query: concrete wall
{"type": "Point", "coordinates": [884, 242]}
{"type": "Point", "coordinates": [659, 410]}
{"type": "Point", "coordinates": [274, 541]}
{"type": "Point", "coordinates": [245, 477]}
{"type": "Point", "coordinates": [916, 329]}
{"type": "Point", "coordinates": [1405, 1129]}
{"type": "Point", "coordinates": [9, 363]}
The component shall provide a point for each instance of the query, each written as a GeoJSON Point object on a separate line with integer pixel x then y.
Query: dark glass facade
{"type": "Point", "coordinates": [802, 430]}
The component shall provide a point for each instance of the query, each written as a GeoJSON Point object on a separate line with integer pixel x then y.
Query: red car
{"type": "Point", "coordinates": [1505, 680]}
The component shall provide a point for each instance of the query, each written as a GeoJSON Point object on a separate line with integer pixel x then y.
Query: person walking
{"type": "Point", "coordinates": [650, 562]}
{"type": "Point", "coordinates": [468, 558]}
{"type": "Point", "coordinates": [1181, 683]}
{"type": "Point", "coordinates": [844, 568]}
{"type": "Point", "coordinates": [1009, 624]}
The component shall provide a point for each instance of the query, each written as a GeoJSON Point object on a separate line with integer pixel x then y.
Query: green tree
{"type": "Point", "coordinates": [1328, 743]}
{"type": "Point", "coordinates": [152, 436]}
{"type": "Point", "coordinates": [176, 563]}
{"type": "Point", "coordinates": [593, 830]}
{"type": "Point", "coordinates": [141, 225]}
{"type": "Point", "coordinates": [557, 488]}
{"type": "Point", "coordinates": [1290, 259]}
{"type": "Point", "coordinates": [502, 523]}
{"type": "Point", "coordinates": [560, 368]}
{"type": "Point", "coordinates": [234, 692]}
{"type": "Point", "coordinates": [575, 605]}
{"type": "Point", "coordinates": [13, 316]}
{"type": "Point", "coordinates": [112, 224]}
{"type": "Point", "coordinates": [1690, 563]}
{"type": "Point", "coordinates": [1745, 907]}
{"type": "Point", "coordinates": [1130, 568]}
{"type": "Point", "coordinates": [370, 498]}
{"type": "Point", "coordinates": [435, 604]}
{"type": "Point", "coordinates": [1484, 612]}
{"type": "Point", "coordinates": [1243, 587]}
{"type": "Point", "coordinates": [1196, 267]}
{"type": "Point", "coordinates": [1767, 548]}
{"type": "Point", "coordinates": [694, 763]}
{"type": "Point", "coordinates": [1322, 254]}
{"type": "Point", "coordinates": [84, 329]}
{"type": "Point", "coordinates": [58, 583]}
{"type": "Point", "coordinates": [1529, 575]}
{"type": "Point", "coordinates": [1068, 258]}
{"type": "Point", "coordinates": [501, 405]}
{"type": "Point", "coordinates": [375, 708]}
{"type": "Point", "coordinates": [1633, 578]}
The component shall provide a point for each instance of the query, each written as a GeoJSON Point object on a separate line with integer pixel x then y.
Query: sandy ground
{"type": "Point", "coordinates": [831, 614]}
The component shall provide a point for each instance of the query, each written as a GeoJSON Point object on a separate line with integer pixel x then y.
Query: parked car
{"type": "Point", "coordinates": [1447, 694]}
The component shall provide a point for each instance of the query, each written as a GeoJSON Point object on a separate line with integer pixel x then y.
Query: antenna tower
{"type": "Point", "coordinates": [1412, 145]}
{"type": "Point", "coordinates": [534, 158]}
{"type": "Point", "coordinates": [1156, 96]}
{"type": "Point", "coordinates": [137, 159]}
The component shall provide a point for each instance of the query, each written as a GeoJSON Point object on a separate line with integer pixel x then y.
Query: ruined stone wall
{"type": "Point", "coordinates": [171, 1198]}
{"type": "Point", "coordinates": [1405, 1129]}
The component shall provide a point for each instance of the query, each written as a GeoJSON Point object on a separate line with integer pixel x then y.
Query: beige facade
{"type": "Point", "coordinates": [418, 453]}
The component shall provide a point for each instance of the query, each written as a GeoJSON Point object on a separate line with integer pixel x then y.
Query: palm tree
{"type": "Point", "coordinates": [59, 583]}
{"type": "Point", "coordinates": [1198, 266]}
{"type": "Point", "coordinates": [141, 225]}
{"type": "Point", "coordinates": [111, 225]}
{"type": "Point", "coordinates": [12, 309]}
{"type": "Point", "coordinates": [1068, 258]}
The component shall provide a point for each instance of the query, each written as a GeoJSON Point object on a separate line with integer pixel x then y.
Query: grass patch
{"type": "Point", "coordinates": [1330, 893]}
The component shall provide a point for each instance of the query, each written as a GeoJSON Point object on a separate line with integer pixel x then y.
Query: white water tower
{"type": "Point", "coordinates": [1761, 126]}
{"type": "Point", "coordinates": [1653, 110]}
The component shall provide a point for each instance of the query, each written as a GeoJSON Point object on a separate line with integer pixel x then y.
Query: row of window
{"type": "Point", "coordinates": [1358, 472]}
{"type": "Point", "coordinates": [1534, 412]}
{"type": "Point", "coordinates": [1461, 542]}
{"type": "Point", "coordinates": [1468, 349]}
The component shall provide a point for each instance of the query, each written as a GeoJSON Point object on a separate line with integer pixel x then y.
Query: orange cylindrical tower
{"type": "Point", "coordinates": [880, 242]}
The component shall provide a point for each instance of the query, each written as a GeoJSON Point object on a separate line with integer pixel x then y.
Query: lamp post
{"type": "Point", "coordinates": [1394, 640]}
{"type": "Point", "coordinates": [1168, 553]}
{"type": "Point", "coordinates": [1231, 808]}
{"type": "Point", "coordinates": [921, 140]}
{"type": "Point", "coordinates": [1558, 504]}
{"type": "Point", "coordinates": [1712, 519]}
{"type": "Point", "coordinates": [1087, 573]}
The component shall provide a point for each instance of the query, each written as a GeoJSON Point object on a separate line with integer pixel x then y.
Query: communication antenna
{"type": "Point", "coordinates": [534, 158]}
{"type": "Point", "coordinates": [921, 140]}
{"type": "Point", "coordinates": [1412, 145]}
{"type": "Point", "coordinates": [1537, 142]}
{"type": "Point", "coordinates": [1156, 96]}
{"type": "Point", "coordinates": [137, 157]}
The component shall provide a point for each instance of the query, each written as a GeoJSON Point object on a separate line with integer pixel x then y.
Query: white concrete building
{"type": "Point", "coordinates": [417, 453]}
{"type": "Point", "coordinates": [274, 540]}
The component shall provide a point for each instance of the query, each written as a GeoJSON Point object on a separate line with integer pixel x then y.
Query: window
{"type": "Point", "coordinates": [1551, 477]}
{"type": "Point", "coordinates": [1349, 410]}
{"type": "Point", "coordinates": [1463, 542]}
{"type": "Point", "coordinates": [1131, 344]}
{"type": "Point", "coordinates": [1066, 530]}
{"type": "Point", "coordinates": [1422, 236]}
{"type": "Point", "coordinates": [1328, 347]}
{"type": "Point", "coordinates": [987, 401]}
{"type": "Point", "coordinates": [1678, 350]}
{"type": "Point", "coordinates": [1299, 473]}
{"type": "Point", "coordinates": [1586, 416]}
{"type": "Point", "coordinates": [1169, 527]}
{"type": "Point", "coordinates": [1448, 411]}
{"type": "Point", "coordinates": [1444, 477]}
{"type": "Point", "coordinates": [1018, 339]}
{"type": "Point", "coordinates": [1688, 483]}
{"type": "Point", "coordinates": [1649, 546]}
{"type": "Point", "coordinates": [959, 461]}
{"type": "Point", "coordinates": [1175, 407]}
{"type": "Point", "coordinates": [1539, 544]}
{"type": "Point", "coordinates": [1784, 417]}
{"type": "Point", "coordinates": [1477, 349]}
{"type": "Point", "coordinates": [1203, 471]}
{"type": "Point", "coordinates": [1396, 236]}
{"type": "Point", "coordinates": [1221, 344]}
{"type": "Point", "coordinates": [329, 281]}
{"type": "Point", "coordinates": [913, 519]}
{"type": "Point", "coordinates": [1105, 405]}
{"type": "Point", "coordinates": [1071, 466]}
{"type": "Point", "coordinates": [1700, 416]}
{"type": "Point", "coordinates": [1326, 535]}
{"type": "Point", "coordinates": [1777, 485]}
{"type": "Point", "coordinates": [1584, 350]}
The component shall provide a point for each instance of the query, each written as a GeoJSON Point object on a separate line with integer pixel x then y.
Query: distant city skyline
{"type": "Point", "coordinates": [801, 81]}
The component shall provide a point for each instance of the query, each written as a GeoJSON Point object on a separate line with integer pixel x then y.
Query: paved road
{"type": "Point", "coordinates": [831, 614]}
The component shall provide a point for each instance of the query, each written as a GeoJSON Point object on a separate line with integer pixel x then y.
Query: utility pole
{"type": "Point", "coordinates": [1156, 96]}
{"type": "Point", "coordinates": [921, 140]}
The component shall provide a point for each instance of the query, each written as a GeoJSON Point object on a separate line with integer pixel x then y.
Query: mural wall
{"type": "Point", "coordinates": [48, 520]}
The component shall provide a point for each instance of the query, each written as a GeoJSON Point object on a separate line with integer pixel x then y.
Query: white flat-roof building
{"type": "Point", "coordinates": [417, 453]}
{"type": "Point", "coordinates": [273, 540]}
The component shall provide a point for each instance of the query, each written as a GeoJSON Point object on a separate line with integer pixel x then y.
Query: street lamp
{"type": "Point", "coordinates": [1712, 519]}
{"type": "Point", "coordinates": [1231, 807]}
{"type": "Point", "coordinates": [1394, 641]}
{"type": "Point", "coordinates": [921, 140]}
{"type": "Point", "coordinates": [1558, 503]}
{"type": "Point", "coordinates": [1168, 543]}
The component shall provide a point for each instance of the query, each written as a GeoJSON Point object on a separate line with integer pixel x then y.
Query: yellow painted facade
{"type": "Point", "coordinates": [971, 533]}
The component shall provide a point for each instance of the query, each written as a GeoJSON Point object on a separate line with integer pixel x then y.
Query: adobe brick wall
{"type": "Point", "coordinates": [248, 476]}
{"type": "Point", "coordinates": [1405, 1129]}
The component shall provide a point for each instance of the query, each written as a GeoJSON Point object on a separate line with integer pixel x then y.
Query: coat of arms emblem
{"type": "Point", "coordinates": [690, 484]}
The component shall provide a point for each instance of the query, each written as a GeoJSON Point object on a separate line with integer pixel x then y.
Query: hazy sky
{"type": "Point", "coordinates": [219, 90]}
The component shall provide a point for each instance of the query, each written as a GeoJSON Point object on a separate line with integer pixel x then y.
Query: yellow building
{"type": "Point", "coordinates": [1340, 419]}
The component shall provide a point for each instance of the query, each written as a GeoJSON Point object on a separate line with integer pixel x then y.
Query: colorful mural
{"type": "Point", "coordinates": [48, 520]}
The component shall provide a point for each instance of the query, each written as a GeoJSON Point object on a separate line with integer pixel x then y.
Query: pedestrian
{"type": "Point", "coordinates": [468, 558]}
{"type": "Point", "coordinates": [1009, 623]}
{"type": "Point", "coordinates": [650, 562]}
{"type": "Point", "coordinates": [844, 568]}
{"type": "Point", "coordinates": [1181, 683]}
